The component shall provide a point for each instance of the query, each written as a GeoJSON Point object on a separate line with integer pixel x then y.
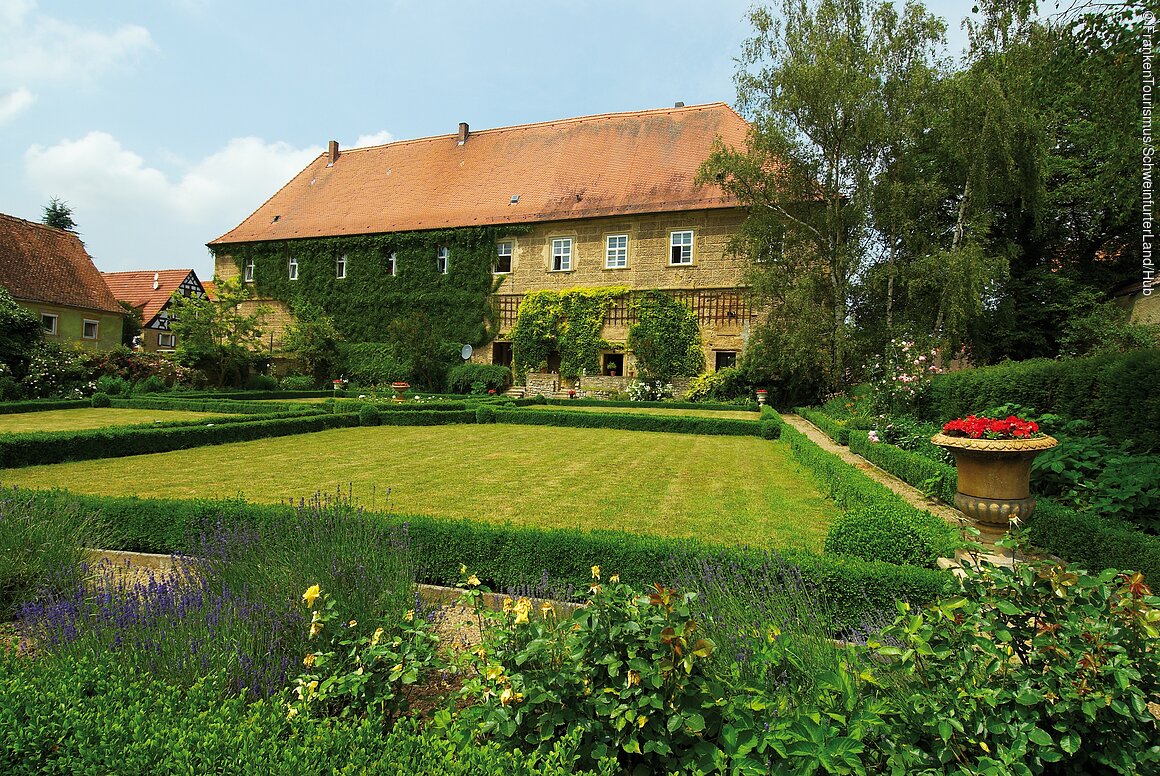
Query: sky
{"type": "Point", "coordinates": [164, 124]}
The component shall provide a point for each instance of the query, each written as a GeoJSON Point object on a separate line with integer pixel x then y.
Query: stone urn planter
{"type": "Point", "coordinates": [994, 476]}
{"type": "Point", "coordinates": [762, 395]}
{"type": "Point", "coordinates": [400, 388]}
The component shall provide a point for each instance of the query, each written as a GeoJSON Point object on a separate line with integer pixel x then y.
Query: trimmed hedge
{"type": "Point", "coordinates": [1096, 543]}
{"type": "Point", "coordinates": [665, 405]}
{"type": "Point", "coordinates": [1115, 391]}
{"type": "Point", "coordinates": [247, 395]}
{"type": "Point", "coordinates": [674, 424]}
{"type": "Point", "coordinates": [115, 442]}
{"type": "Point", "coordinates": [834, 429]}
{"type": "Point", "coordinates": [41, 405]}
{"type": "Point", "coordinates": [80, 716]}
{"type": "Point", "coordinates": [461, 379]}
{"type": "Point", "coordinates": [225, 406]}
{"type": "Point", "coordinates": [879, 525]}
{"type": "Point", "coordinates": [517, 556]}
{"type": "Point", "coordinates": [912, 468]}
{"type": "Point", "coordinates": [409, 406]}
{"type": "Point", "coordinates": [771, 423]}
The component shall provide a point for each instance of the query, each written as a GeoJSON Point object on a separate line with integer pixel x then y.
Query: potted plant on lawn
{"type": "Point", "coordinates": [400, 388]}
{"type": "Point", "coordinates": [993, 457]}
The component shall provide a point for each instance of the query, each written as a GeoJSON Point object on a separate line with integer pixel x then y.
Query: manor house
{"type": "Point", "coordinates": [597, 201]}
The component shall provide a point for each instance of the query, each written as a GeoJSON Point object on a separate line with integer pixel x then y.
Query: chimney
{"type": "Point", "coordinates": [332, 153]}
{"type": "Point", "coordinates": [463, 133]}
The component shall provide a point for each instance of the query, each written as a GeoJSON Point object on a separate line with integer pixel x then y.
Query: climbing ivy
{"type": "Point", "coordinates": [666, 338]}
{"type": "Point", "coordinates": [423, 315]}
{"type": "Point", "coordinates": [567, 322]}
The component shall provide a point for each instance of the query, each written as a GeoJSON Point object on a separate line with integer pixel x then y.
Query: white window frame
{"type": "Point", "coordinates": [561, 254]}
{"type": "Point", "coordinates": [686, 258]}
{"type": "Point", "coordinates": [501, 253]}
{"type": "Point", "coordinates": [166, 340]}
{"type": "Point", "coordinates": [85, 328]}
{"type": "Point", "coordinates": [52, 329]}
{"type": "Point", "coordinates": [248, 271]}
{"type": "Point", "coordinates": [616, 257]}
{"type": "Point", "coordinates": [443, 260]}
{"type": "Point", "coordinates": [392, 264]}
{"type": "Point", "coordinates": [293, 267]}
{"type": "Point", "coordinates": [340, 266]}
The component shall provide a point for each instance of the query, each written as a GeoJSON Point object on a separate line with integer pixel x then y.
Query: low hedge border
{"type": "Point", "coordinates": [42, 405]}
{"type": "Point", "coordinates": [664, 405]}
{"type": "Point", "coordinates": [627, 422]}
{"type": "Point", "coordinates": [938, 479]}
{"type": "Point", "coordinates": [224, 406]}
{"type": "Point", "coordinates": [771, 423]}
{"type": "Point", "coordinates": [834, 429]}
{"type": "Point", "coordinates": [116, 442]}
{"type": "Point", "coordinates": [409, 405]}
{"type": "Point", "coordinates": [517, 557]}
{"type": "Point", "coordinates": [1094, 542]}
{"type": "Point", "coordinates": [877, 524]}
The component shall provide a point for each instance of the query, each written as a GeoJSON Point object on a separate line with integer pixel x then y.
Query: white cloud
{"type": "Point", "coordinates": [14, 103]}
{"type": "Point", "coordinates": [378, 138]}
{"type": "Point", "coordinates": [41, 48]}
{"type": "Point", "coordinates": [99, 174]}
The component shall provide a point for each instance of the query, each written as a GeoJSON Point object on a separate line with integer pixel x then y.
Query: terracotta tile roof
{"type": "Point", "coordinates": [612, 164]}
{"type": "Point", "coordinates": [42, 264]}
{"type": "Point", "coordinates": [137, 289]}
{"type": "Point", "coordinates": [210, 288]}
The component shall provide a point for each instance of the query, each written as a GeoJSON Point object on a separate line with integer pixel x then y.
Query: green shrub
{"type": "Point", "coordinates": [484, 414]}
{"type": "Point", "coordinates": [931, 477]}
{"type": "Point", "coordinates": [101, 399]}
{"type": "Point", "coordinates": [771, 423]}
{"type": "Point", "coordinates": [723, 385]}
{"type": "Point", "coordinates": [91, 716]}
{"type": "Point", "coordinates": [372, 363]}
{"type": "Point", "coordinates": [257, 382]}
{"type": "Point", "coordinates": [856, 493]}
{"type": "Point", "coordinates": [114, 385]}
{"type": "Point", "coordinates": [1094, 542]}
{"type": "Point", "coordinates": [1114, 391]}
{"type": "Point", "coordinates": [298, 383]}
{"type": "Point", "coordinates": [462, 378]}
{"type": "Point", "coordinates": [887, 534]}
{"type": "Point", "coordinates": [151, 384]}
{"type": "Point", "coordinates": [667, 405]}
{"type": "Point", "coordinates": [834, 429]}
{"type": "Point", "coordinates": [42, 405]}
{"type": "Point", "coordinates": [369, 415]}
{"type": "Point", "coordinates": [635, 422]}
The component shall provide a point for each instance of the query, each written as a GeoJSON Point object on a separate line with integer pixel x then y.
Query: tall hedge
{"type": "Point", "coordinates": [1116, 392]}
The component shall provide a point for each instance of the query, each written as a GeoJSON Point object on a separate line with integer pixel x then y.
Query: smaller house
{"type": "Point", "coordinates": [49, 272]}
{"type": "Point", "coordinates": [150, 292]}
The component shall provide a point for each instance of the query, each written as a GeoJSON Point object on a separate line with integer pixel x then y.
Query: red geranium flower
{"type": "Point", "coordinates": [992, 428]}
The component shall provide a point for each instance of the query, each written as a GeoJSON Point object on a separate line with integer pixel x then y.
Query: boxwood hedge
{"type": "Point", "coordinates": [1092, 541]}
{"type": "Point", "coordinates": [631, 422]}
{"type": "Point", "coordinates": [915, 469]}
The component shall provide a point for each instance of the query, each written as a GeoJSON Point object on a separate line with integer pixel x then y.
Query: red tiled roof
{"type": "Point", "coordinates": [210, 289]}
{"type": "Point", "coordinates": [42, 264]}
{"type": "Point", "coordinates": [612, 164]}
{"type": "Point", "coordinates": [137, 289]}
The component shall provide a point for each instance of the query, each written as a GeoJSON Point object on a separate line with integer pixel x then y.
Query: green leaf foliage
{"type": "Point", "coordinates": [666, 338]}
{"type": "Point", "coordinates": [567, 323]}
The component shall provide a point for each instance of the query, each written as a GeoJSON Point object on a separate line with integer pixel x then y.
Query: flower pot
{"type": "Point", "coordinates": [994, 476]}
{"type": "Point", "coordinates": [761, 395]}
{"type": "Point", "coordinates": [400, 388]}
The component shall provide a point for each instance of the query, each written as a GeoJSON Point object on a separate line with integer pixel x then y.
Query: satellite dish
{"type": "Point", "coordinates": [465, 352]}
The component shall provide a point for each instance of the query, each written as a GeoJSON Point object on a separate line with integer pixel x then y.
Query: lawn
{"type": "Point", "coordinates": [740, 490]}
{"type": "Point", "coordinates": [90, 417]}
{"type": "Point", "coordinates": [730, 414]}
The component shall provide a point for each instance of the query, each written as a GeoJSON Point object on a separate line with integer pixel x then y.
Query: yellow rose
{"type": "Point", "coordinates": [311, 594]}
{"type": "Point", "coordinates": [633, 678]}
{"type": "Point", "coordinates": [410, 615]}
{"type": "Point", "coordinates": [614, 579]}
{"type": "Point", "coordinates": [473, 581]}
{"type": "Point", "coordinates": [596, 572]}
{"type": "Point", "coordinates": [308, 661]}
{"type": "Point", "coordinates": [375, 638]}
{"type": "Point", "coordinates": [547, 610]}
{"type": "Point", "coordinates": [353, 623]}
{"type": "Point", "coordinates": [522, 607]}
{"type": "Point", "coordinates": [494, 672]}
{"type": "Point", "coordinates": [315, 629]}
{"type": "Point", "coordinates": [507, 605]}
{"type": "Point", "coordinates": [510, 696]}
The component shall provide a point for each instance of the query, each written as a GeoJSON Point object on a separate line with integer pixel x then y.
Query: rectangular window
{"type": "Point", "coordinates": [48, 321]}
{"type": "Point", "coordinates": [340, 266]}
{"type": "Point", "coordinates": [248, 271]}
{"type": "Point", "coordinates": [91, 329]}
{"type": "Point", "coordinates": [562, 254]}
{"type": "Point", "coordinates": [616, 251]}
{"type": "Point", "coordinates": [681, 247]}
{"type": "Point", "coordinates": [442, 259]}
{"type": "Point", "coordinates": [293, 268]}
{"type": "Point", "coordinates": [503, 258]}
{"type": "Point", "coordinates": [392, 266]}
{"type": "Point", "coordinates": [166, 340]}
{"type": "Point", "coordinates": [723, 359]}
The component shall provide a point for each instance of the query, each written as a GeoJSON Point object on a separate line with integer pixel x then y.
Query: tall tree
{"type": "Point", "coordinates": [218, 336]}
{"type": "Point", "coordinates": [813, 80]}
{"type": "Point", "coordinates": [59, 215]}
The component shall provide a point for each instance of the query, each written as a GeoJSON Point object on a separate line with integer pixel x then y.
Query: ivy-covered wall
{"type": "Point", "coordinates": [565, 322]}
{"type": "Point", "coordinates": [370, 304]}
